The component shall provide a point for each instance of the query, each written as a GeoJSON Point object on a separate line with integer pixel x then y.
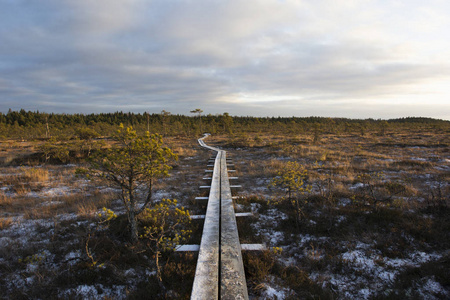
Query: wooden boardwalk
{"type": "Point", "coordinates": [220, 270]}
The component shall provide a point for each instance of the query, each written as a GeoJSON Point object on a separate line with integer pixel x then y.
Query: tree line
{"type": "Point", "coordinates": [30, 125]}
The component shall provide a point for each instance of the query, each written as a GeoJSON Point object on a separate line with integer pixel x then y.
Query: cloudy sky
{"type": "Point", "coordinates": [346, 58]}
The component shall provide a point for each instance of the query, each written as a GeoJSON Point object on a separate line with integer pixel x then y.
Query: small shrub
{"type": "Point", "coordinates": [178, 274]}
{"type": "Point", "coordinates": [164, 228]}
{"type": "Point", "coordinates": [258, 265]}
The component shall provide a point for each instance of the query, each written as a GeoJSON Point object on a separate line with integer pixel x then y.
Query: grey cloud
{"type": "Point", "coordinates": [178, 55]}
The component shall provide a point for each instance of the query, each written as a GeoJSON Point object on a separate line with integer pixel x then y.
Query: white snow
{"type": "Point", "coordinates": [271, 293]}
{"type": "Point", "coordinates": [97, 291]}
{"type": "Point", "coordinates": [255, 206]}
{"type": "Point", "coordinates": [344, 202]}
{"type": "Point", "coordinates": [357, 186]}
{"type": "Point", "coordinates": [340, 219]}
{"type": "Point", "coordinates": [431, 286]}
{"type": "Point", "coordinates": [418, 159]}
{"type": "Point", "coordinates": [71, 257]}
{"type": "Point", "coordinates": [276, 238]}
{"type": "Point", "coordinates": [56, 191]}
{"type": "Point", "coordinates": [378, 271]}
{"type": "Point", "coordinates": [266, 224]}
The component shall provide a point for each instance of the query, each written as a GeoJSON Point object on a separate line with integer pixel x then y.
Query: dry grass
{"type": "Point", "coordinates": [35, 174]}
{"type": "Point", "coordinates": [82, 206]}
{"type": "Point", "coordinates": [5, 223]}
{"type": "Point", "coordinates": [62, 193]}
{"type": "Point", "coordinates": [47, 211]}
{"type": "Point", "coordinates": [89, 206]}
{"type": "Point", "coordinates": [87, 210]}
{"type": "Point", "coordinates": [21, 189]}
{"type": "Point", "coordinates": [5, 201]}
{"type": "Point", "coordinates": [390, 192]}
{"type": "Point", "coordinates": [184, 151]}
{"type": "Point", "coordinates": [183, 147]}
{"type": "Point", "coordinates": [416, 214]}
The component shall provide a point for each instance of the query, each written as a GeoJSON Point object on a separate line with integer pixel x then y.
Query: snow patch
{"type": "Point", "coordinates": [57, 191]}
{"type": "Point", "coordinates": [344, 202]}
{"type": "Point", "coordinates": [357, 186]}
{"type": "Point", "coordinates": [272, 293]}
{"type": "Point", "coordinates": [72, 257]}
{"type": "Point", "coordinates": [431, 286]}
{"type": "Point", "coordinates": [97, 291]}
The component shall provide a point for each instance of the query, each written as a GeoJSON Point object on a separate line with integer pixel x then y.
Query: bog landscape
{"type": "Point", "coordinates": [96, 206]}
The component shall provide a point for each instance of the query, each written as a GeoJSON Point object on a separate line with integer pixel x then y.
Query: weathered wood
{"type": "Point", "coordinates": [245, 214]}
{"type": "Point", "coordinates": [220, 269]}
{"type": "Point", "coordinates": [187, 248]}
{"type": "Point", "coordinates": [238, 215]}
{"type": "Point", "coordinates": [253, 247]}
{"type": "Point", "coordinates": [196, 217]}
{"type": "Point", "coordinates": [232, 275]}
{"type": "Point", "coordinates": [206, 281]}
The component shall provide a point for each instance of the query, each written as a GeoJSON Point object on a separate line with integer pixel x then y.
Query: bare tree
{"type": "Point", "coordinates": [164, 115]}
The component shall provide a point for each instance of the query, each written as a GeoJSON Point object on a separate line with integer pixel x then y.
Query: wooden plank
{"type": "Point", "coordinates": [197, 217]}
{"type": "Point", "coordinates": [245, 214]}
{"type": "Point", "coordinates": [222, 261]}
{"type": "Point", "coordinates": [232, 275]}
{"type": "Point", "coordinates": [206, 281]}
{"type": "Point", "coordinates": [253, 247]}
{"type": "Point", "coordinates": [187, 248]}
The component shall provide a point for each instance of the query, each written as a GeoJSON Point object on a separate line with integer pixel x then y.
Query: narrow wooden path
{"type": "Point", "coordinates": [220, 270]}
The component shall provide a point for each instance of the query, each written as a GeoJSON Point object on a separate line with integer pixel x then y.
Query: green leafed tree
{"type": "Point", "coordinates": [133, 165]}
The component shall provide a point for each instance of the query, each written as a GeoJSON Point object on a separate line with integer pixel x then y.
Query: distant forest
{"type": "Point", "coordinates": [28, 125]}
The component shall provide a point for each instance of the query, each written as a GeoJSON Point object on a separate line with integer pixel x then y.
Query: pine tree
{"type": "Point", "coordinates": [133, 165]}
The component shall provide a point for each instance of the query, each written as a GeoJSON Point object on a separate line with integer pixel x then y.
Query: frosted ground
{"type": "Point", "coordinates": [45, 225]}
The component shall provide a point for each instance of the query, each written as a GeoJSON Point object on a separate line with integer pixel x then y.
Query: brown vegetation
{"type": "Point", "coordinates": [381, 192]}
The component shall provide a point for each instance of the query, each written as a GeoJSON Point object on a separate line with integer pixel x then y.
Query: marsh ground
{"type": "Point", "coordinates": [375, 224]}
